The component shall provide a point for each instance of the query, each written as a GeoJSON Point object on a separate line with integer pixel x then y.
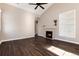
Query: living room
{"type": "Point", "coordinates": [39, 29]}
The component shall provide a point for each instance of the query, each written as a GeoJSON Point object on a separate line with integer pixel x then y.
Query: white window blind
{"type": "Point", "coordinates": [67, 24]}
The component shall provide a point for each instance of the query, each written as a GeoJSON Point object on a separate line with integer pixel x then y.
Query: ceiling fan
{"type": "Point", "coordinates": [38, 4]}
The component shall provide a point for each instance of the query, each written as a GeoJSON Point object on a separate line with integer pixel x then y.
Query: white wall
{"type": "Point", "coordinates": [53, 13]}
{"type": "Point", "coordinates": [0, 20]}
{"type": "Point", "coordinates": [16, 23]}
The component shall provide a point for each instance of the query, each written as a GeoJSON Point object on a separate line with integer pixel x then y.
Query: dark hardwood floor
{"type": "Point", "coordinates": [25, 47]}
{"type": "Point", "coordinates": [32, 47]}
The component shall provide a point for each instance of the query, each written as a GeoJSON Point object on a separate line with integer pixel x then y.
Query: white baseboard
{"type": "Point", "coordinates": [66, 41]}
{"type": "Point", "coordinates": [41, 36]}
{"type": "Point", "coordinates": [14, 39]}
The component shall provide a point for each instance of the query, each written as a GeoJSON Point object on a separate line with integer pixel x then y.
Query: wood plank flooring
{"type": "Point", "coordinates": [32, 47]}
{"type": "Point", "coordinates": [24, 47]}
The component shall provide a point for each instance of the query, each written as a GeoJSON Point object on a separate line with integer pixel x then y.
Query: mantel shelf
{"type": "Point", "coordinates": [49, 28]}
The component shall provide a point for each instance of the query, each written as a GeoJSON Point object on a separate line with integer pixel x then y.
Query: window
{"type": "Point", "coordinates": [67, 24]}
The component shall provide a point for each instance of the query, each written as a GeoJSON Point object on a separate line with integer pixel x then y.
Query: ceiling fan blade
{"type": "Point", "coordinates": [36, 7]}
{"type": "Point", "coordinates": [32, 4]}
{"type": "Point", "coordinates": [42, 7]}
{"type": "Point", "coordinates": [43, 3]}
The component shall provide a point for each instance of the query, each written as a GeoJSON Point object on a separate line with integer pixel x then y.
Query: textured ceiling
{"type": "Point", "coordinates": [30, 8]}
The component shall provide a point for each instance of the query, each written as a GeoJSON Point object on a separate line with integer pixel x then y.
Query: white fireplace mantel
{"type": "Point", "coordinates": [53, 28]}
{"type": "Point", "coordinates": [49, 28]}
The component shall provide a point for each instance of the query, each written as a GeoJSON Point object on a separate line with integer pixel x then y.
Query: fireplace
{"type": "Point", "coordinates": [49, 34]}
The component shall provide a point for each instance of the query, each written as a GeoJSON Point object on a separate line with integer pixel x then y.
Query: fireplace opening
{"type": "Point", "coordinates": [49, 34]}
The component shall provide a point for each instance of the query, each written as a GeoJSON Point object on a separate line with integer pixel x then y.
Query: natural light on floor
{"type": "Point", "coordinates": [60, 52]}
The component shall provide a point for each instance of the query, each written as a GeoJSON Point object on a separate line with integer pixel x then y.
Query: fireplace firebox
{"type": "Point", "coordinates": [49, 34]}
